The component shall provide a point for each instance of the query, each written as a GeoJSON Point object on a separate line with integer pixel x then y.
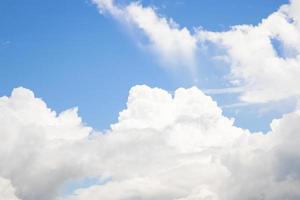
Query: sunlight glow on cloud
{"type": "Point", "coordinates": [171, 147]}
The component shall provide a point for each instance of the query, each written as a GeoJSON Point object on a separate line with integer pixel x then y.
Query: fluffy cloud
{"type": "Point", "coordinates": [264, 59]}
{"type": "Point", "coordinates": [37, 150]}
{"type": "Point", "coordinates": [172, 147]}
{"type": "Point", "coordinates": [182, 147]}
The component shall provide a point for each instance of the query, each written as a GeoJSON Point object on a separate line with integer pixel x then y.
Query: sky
{"type": "Point", "coordinates": [170, 100]}
{"type": "Point", "coordinates": [71, 56]}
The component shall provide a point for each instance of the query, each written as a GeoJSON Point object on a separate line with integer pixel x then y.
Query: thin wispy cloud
{"type": "Point", "coordinates": [230, 90]}
{"type": "Point", "coordinates": [254, 62]}
{"type": "Point", "coordinates": [174, 46]}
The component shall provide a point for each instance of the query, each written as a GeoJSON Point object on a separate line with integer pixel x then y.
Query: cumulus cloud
{"type": "Point", "coordinates": [171, 147]}
{"type": "Point", "coordinates": [264, 59]}
{"type": "Point", "coordinates": [36, 152]}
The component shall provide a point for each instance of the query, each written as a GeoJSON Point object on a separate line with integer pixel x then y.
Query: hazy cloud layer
{"type": "Point", "coordinates": [264, 59]}
{"type": "Point", "coordinates": [170, 147]}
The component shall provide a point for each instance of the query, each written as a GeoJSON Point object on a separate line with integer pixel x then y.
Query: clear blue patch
{"type": "Point", "coordinates": [278, 47]}
{"type": "Point", "coordinates": [71, 186]}
{"type": "Point", "coordinates": [282, 51]}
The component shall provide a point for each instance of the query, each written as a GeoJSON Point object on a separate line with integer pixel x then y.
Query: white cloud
{"type": "Point", "coordinates": [181, 147]}
{"type": "Point", "coordinates": [266, 71]}
{"type": "Point", "coordinates": [254, 60]}
{"type": "Point", "coordinates": [7, 192]}
{"type": "Point", "coordinates": [37, 150]}
{"type": "Point", "coordinates": [172, 147]}
{"type": "Point", "coordinates": [174, 45]}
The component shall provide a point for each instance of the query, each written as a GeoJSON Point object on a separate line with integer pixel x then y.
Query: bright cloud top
{"type": "Point", "coordinates": [264, 59]}
{"type": "Point", "coordinates": [170, 147]}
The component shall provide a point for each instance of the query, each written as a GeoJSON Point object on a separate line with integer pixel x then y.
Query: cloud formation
{"type": "Point", "coordinates": [36, 151]}
{"type": "Point", "coordinates": [174, 45]}
{"type": "Point", "coordinates": [171, 147]}
{"type": "Point", "coordinates": [264, 59]}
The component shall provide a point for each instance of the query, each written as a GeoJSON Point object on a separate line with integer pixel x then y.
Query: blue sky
{"type": "Point", "coordinates": [70, 55]}
{"type": "Point", "coordinates": [139, 61]}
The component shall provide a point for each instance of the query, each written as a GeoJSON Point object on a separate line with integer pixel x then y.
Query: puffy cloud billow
{"type": "Point", "coordinates": [37, 151]}
{"type": "Point", "coordinates": [164, 146]}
